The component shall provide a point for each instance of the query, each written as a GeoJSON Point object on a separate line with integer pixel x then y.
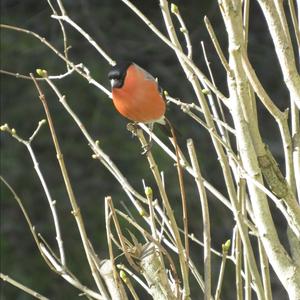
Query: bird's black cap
{"type": "Point", "coordinates": [117, 73]}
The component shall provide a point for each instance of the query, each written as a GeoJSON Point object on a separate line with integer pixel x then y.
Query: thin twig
{"type": "Point", "coordinates": [52, 77]}
{"type": "Point", "coordinates": [68, 20]}
{"type": "Point", "coordinates": [221, 128]}
{"type": "Point", "coordinates": [28, 221]}
{"type": "Point", "coordinates": [72, 198]}
{"type": "Point", "coordinates": [238, 266]}
{"type": "Point", "coordinates": [65, 39]}
{"type": "Point", "coordinates": [225, 248]}
{"type": "Point", "coordinates": [247, 283]}
{"type": "Point", "coordinates": [108, 237]}
{"type": "Point", "coordinates": [22, 287]}
{"type": "Point", "coordinates": [187, 107]}
{"type": "Point", "coordinates": [265, 270]}
{"type": "Point", "coordinates": [182, 193]}
{"type": "Point", "coordinates": [149, 195]}
{"type": "Point", "coordinates": [69, 277]}
{"type": "Point", "coordinates": [246, 5]}
{"type": "Point", "coordinates": [183, 29]}
{"type": "Point", "coordinates": [84, 72]}
{"type": "Point", "coordinates": [205, 218]}
{"type": "Point", "coordinates": [279, 30]}
{"type": "Point", "coordinates": [41, 177]}
{"type": "Point", "coordinates": [217, 45]}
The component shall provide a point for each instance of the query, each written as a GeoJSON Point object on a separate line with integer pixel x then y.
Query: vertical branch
{"type": "Point", "coordinates": [151, 220]}
{"type": "Point", "coordinates": [205, 218]}
{"type": "Point", "coordinates": [278, 257]}
{"type": "Point", "coordinates": [183, 29]}
{"type": "Point", "coordinates": [149, 195]}
{"type": "Point", "coordinates": [246, 21]}
{"type": "Point", "coordinates": [166, 203]}
{"type": "Point", "coordinates": [115, 283]}
{"type": "Point", "coordinates": [200, 96]}
{"type": "Point", "coordinates": [182, 193]}
{"type": "Point", "coordinates": [238, 247]}
{"type": "Point", "coordinates": [225, 248]}
{"type": "Point", "coordinates": [61, 7]}
{"type": "Point", "coordinates": [247, 271]}
{"type": "Point", "coordinates": [243, 207]}
{"type": "Point", "coordinates": [278, 28]}
{"type": "Point", "coordinates": [216, 44]}
{"type": "Point", "coordinates": [295, 125]}
{"type": "Point", "coordinates": [238, 266]}
{"type": "Point", "coordinates": [265, 270]}
{"type": "Point", "coordinates": [296, 145]}
{"type": "Point", "coordinates": [222, 130]}
{"type": "Point", "coordinates": [72, 198]}
{"type": "Point", "coordinates": [65, 41]}
{"type": "Point", "coordinates": [295, 21]}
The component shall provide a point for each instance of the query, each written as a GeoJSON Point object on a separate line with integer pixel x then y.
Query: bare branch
{"type": "Point", "coordinates": [22, 287]}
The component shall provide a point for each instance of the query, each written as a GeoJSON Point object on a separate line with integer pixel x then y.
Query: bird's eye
{"type": "Point", "coordinates": [114, 74]}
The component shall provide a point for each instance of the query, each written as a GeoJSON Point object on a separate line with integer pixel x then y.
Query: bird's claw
{"type": "Point", "coordinates": [132, 127]}
{"type": "Point", "coordinates": [146, 148]}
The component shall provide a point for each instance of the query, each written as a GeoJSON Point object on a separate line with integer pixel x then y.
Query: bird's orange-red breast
{"type": "Point", "coordinates": [136, 94]}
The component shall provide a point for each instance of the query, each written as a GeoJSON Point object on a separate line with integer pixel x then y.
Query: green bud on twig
{"type": "Point", "coordinates": [174, 9]}
{"type": "Point", "coordinates": [142, 212]}
{"type": "Point", "coordinates": [148, 192]}
{"type": "Point", "coordinates": [41, 72]}
{"type": "Point", "coordinates": [42, 122]}
{"type": "Point", "coordinates": [4, 127]}
{"type": "Point", "coordinates": [123, 276]}
{"type": "Point", "coordinates": [205, 91]}
{"type": "Point", "coordinates": [226, 246]}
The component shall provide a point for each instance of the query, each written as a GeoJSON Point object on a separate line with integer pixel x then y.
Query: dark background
{"type": "Point", "coordinates": [122, 35]}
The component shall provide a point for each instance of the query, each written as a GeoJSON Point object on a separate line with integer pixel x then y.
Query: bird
{"type": "Point", "coordinates": [137, 96]}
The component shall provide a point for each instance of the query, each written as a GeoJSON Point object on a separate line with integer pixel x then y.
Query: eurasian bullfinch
{"type": "Point", "coordinates": [136, 94]}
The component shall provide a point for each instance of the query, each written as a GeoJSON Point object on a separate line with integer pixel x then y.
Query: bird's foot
{"type": "Point", "coordinates": [133, 128]}
{"type": "Point", "coordinates": [146, 148]}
